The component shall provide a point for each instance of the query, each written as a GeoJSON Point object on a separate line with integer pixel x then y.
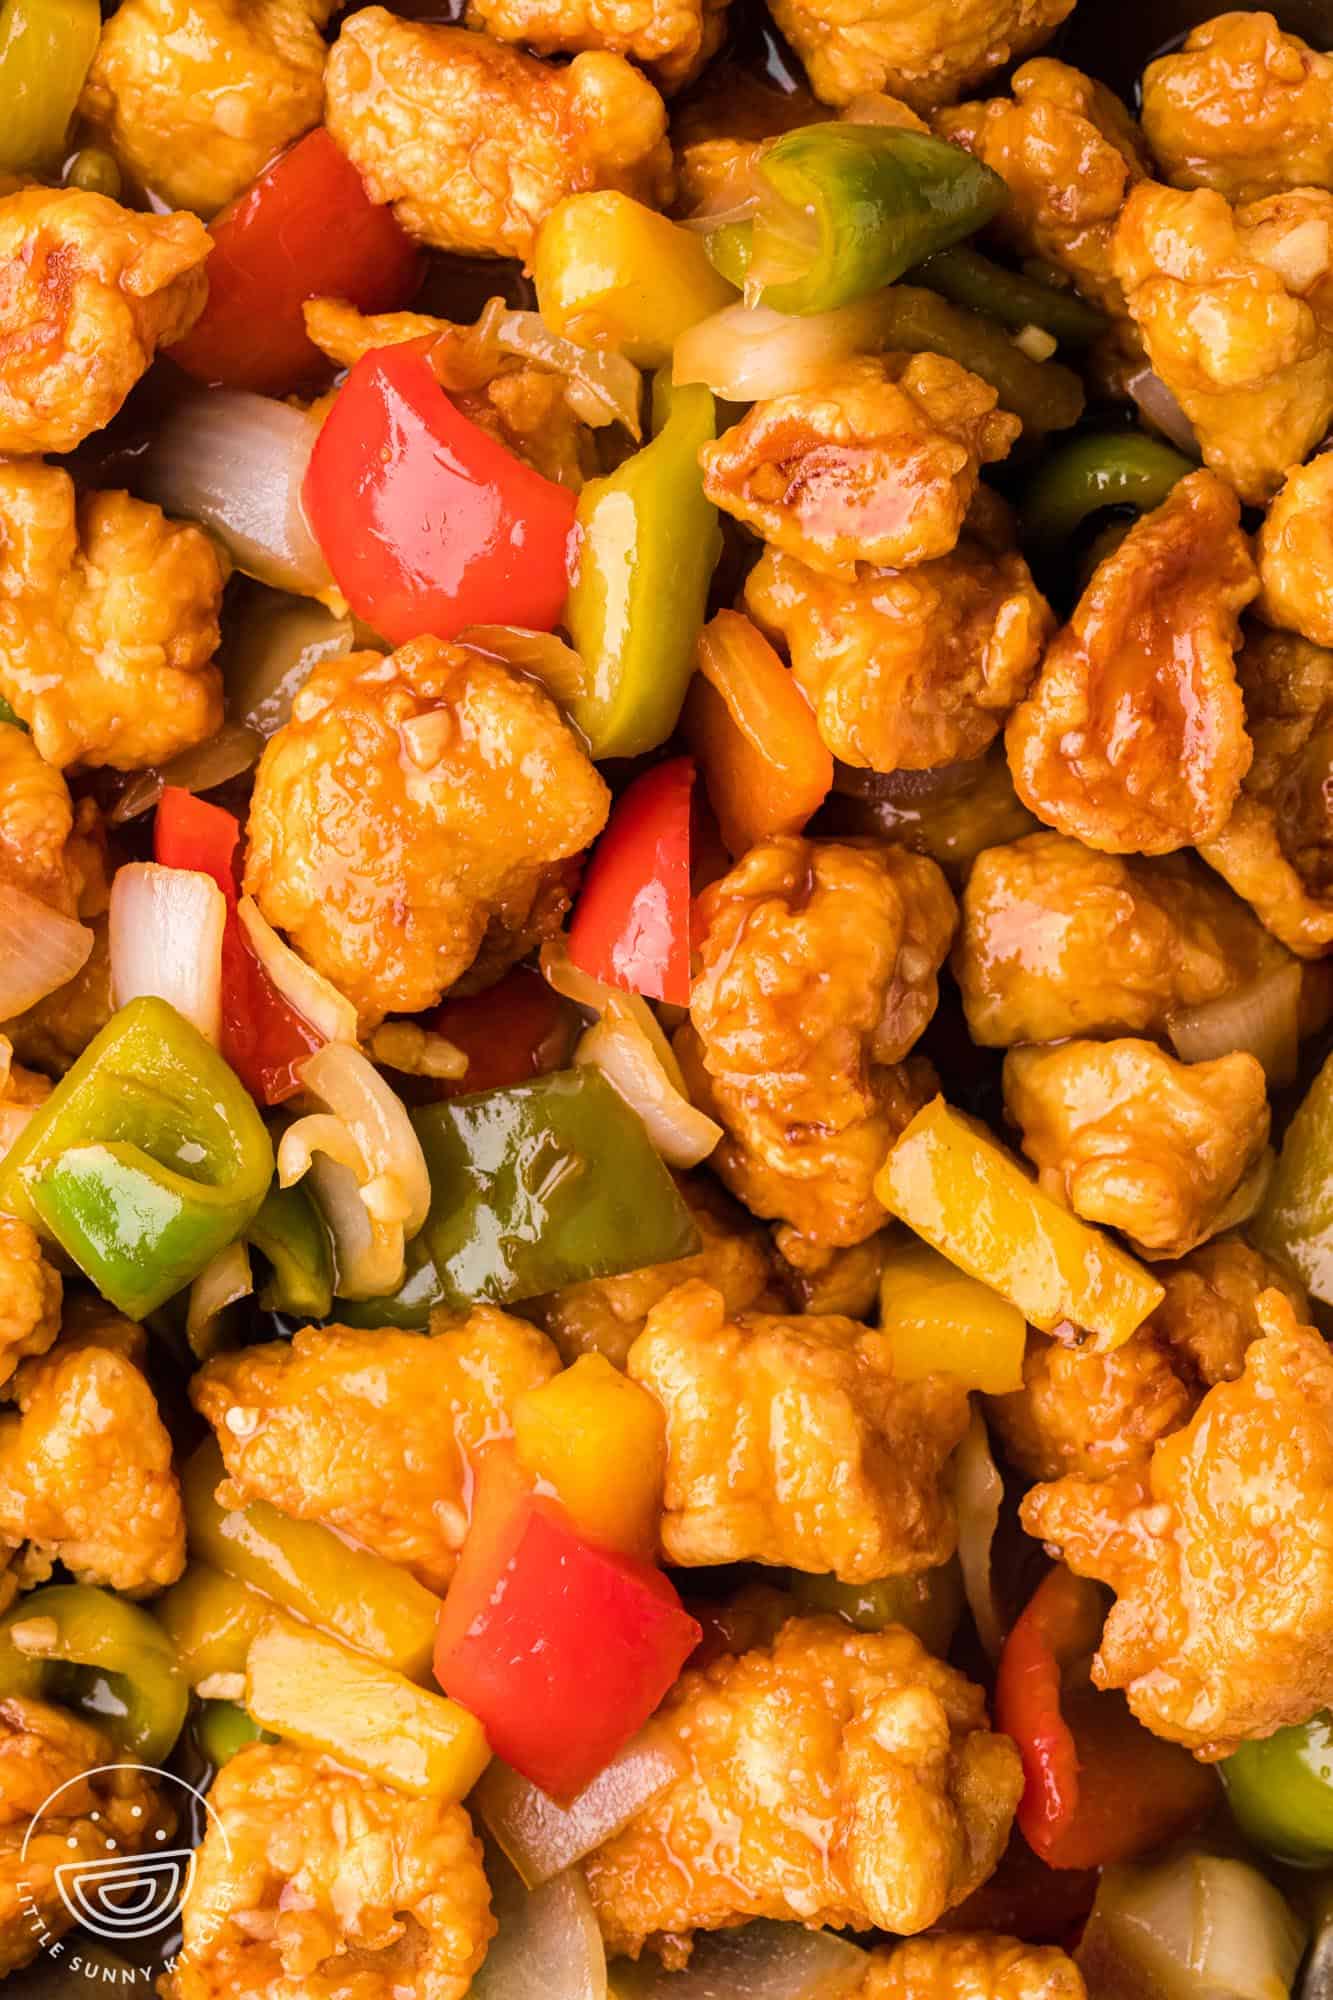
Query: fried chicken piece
{"type": "Point", "coordinates": [906, 669]}
{"type": "Point", "coordinates": [919, 50]}
{"type": "Point", "coordinates": [54, 1034]}
{"type": "Point", "coordinates": [88, 292]}
{"type": "Point", "coordinates": [816, 973]}
{"type": "Point", "coordinates": [971, 1968]}
{"type": "Point", "coordinates": [108, 622]}
{"type": "Point", "coordinates": [833, 1777]}
{"type": "Point", "coordinates": [475, 143]}
{"type": "Point", "coordinates": [820, 1280]}
{"type": "Point", "coordinates": [672, 39]}
{"type": "Point", "coordinates": [1133, 739]}
{"type": "Point", "coordinates": [315, 1884]}
{"type": "Point", "coordinates": [1242, 108]}
{"type": "Point", "coordinates": [1069, 153]}
{"type": "Point", "coordinates": [196, 96]}
{"type": "Point", "coordinates": [21, 1092]}
{"type": "Point", "coordinates": [1057, 940]}
{"type": "Point", "coordinates": [413, 802]}
{"type": "Point", "coordinates": [1295, 551]}
{"type": "Point", "coordinates": [30, 1293]}
{"type": "Point", "coordinates": [47, 847]}
{"type": "Point", "coordinates": [1236, 312]}
{"type": "Point", "coordinates": [1219, 1550]}
{"type": "Point", "coordinates": [369, 1432]}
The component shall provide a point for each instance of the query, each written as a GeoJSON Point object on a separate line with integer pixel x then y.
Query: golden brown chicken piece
{"type": "Point", "coordinates": [369, 1432]}
{"type": "Point", "coordinates": [818, 1279]}
{"type": "Point", "coordinates": [48, 847]}
{"type": "Point", "coordinates": [30, 1293]}
{"type": "Point", "coordinates": [55, 1032]}
{"type": "Point", "coordinates": [21, 1092]}
{"type": "Point", "coordinates": [1169, 1152]}
{"type": "Point", "coordinates": [1242, 108]}
{"type": "Point", "coordinates": [1236, 312]}
{"type": "Point", "coordinates": [412, 803]}
{"type": "Point", "coordinates": [834, 1778]}
{"type": "Point", "coordinates": [973, 1967]}
{"type": "Point", "coordinates": [1133, 739]}
{"type": "Point", "coordinates": [906, 669]}
{"type": "Point", "coordinates": [88, 292]}
{"type": "Point", "coordinates": [816, 973]}
{"type": "Point", "coordinates": [315, 1884]}
{"type": "Point", "coordinates": [1069, 153]}
{"type": "Point", "coordinates": [877, 463]}
{"type": "Point", "coordinates": [1219, 1550]}
{"type": "Point", "coordinates": [1276, 850]}
{"type": "Point", "coordinates": [789, 1442]}
{"type": "Point", "coordinates": [108, 622]}
{"type": "Point", "coordinates": [475, 143]}
{"type": "Point", "coordinates": [1057, 940]}
{"type": "Point", "coordinates": [196, 96]}
{"type": "Point", "coordinates": [1295, 551]}
{"type": "Point", "coordinates": [919, 50]}
{"type": "Point", "coordinates": [672, 39]}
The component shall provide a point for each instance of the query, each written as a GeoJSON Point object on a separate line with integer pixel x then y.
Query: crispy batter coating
{"type": "Point", "coordinates": [927, 52]}
{"type": "Point", "coordinates": [1242, 108]}
{"type": "Point", "coordinates": [906, 669]}
{"type": "Point", "coordinates": [47, 847]}
{"type": "Point", "coordinates": [818, 1279]}
{"type": "Point", "coordinates": [977, 1967]}
{"type": "Point", "coordinates": [412, 802]}
{"type": "Point", "coordinates": [816, 973]}
{"type": "Point", "coordinates": [369, 1432]}
{"type": "Point", "coordinates": [30, 1293]}
{"type": "Point", "coordinates": [834, 1777]}
{"type": "Point", "coordinates": [1219, 1550]}
{"type": "Point", "coordinates": [1069, 153]}
{"type": "Point", "coordinates": [1295, 551]}
{"type": "Point", "coordinates": [196, 96]}
{"type": "Point", "coordinates": [1210, 1315]}
{"type": "Point", "coordinates": [108, 622]}
{"type": "Point", "coordinates": [475, 143]}
{"type": "Point", "coordinates": [673, 39]}
{"type": "Point", "coordinates": [1133, 737]}
{"type": "Point", "coordinates": [877, 463]}
{"type": "Point", "coordinates": [1276, 850]}
{"type": "Point", "coordinates": [21, 1091]}
{"type": "Point", "coordinates": [88, 292]}
{"type": "Point", "coordinates": [1236, 311]}
{"type": "Point", "coordinates": [322, 1885]}
{"type": "Point", "coordinates": [55, 1032]}
{"type": "Point", "coordinates": [1057, 940]}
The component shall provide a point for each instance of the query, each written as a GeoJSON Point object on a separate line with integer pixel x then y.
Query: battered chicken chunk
{"type": "Point", "coordinates": [88, 292]}
{"type": "Point", "coordinates": [412, 802]}
{"type": "Point", "coordinates": [833, 1778]}
{"type": "Point", "coordinates": [29, 1295]}
{"type": "Point", "coordinates": [315, 1884]}
{"type": "Point", "coordinates": [914, 49]}
{"type": "Point", "coordinates": [1236, 311]}
{"type": "Point", "coordinates": [1276, 850]}
{"type": "Point", "coordinates": [877, 463]}
{"type": "Point", "coordinates": [1133, 737]}
{"type": "Point", "coordinates": [195, 96]}
{"type": "Point", "coordinates": [816, 973]}
{"type": "Point", "coordinates": [906, 669]}
{"type": "Point", "coordinates": [1069, 152]}
{"type": "Point", "coordinates": [108, 622]}
{"type": "Point", "coordinates": [21, 1091]}
{"type": "Point", "coordinates": [789, 1442]}
{"type": "Point", "coordinates": [475, 143]}
{"type": "Point", "coordinates": [1242, 108]}
{"type": "Point", "coordinates": [369, 1432]}
{"type": "Point", "coordinates": [1057, 940]}
{"type": "Point", "coordinates": [47, 847]}
{"type": "Point", "coordinates": [1219, 1550]}
{"type": "Point", "coordinates": [971, 1968]}
{"type": "Point", "coordinates": [1295, 550]}
{"type": "Point", "coordinates": [820, 1280]}
{"type": "Point", "coordinates": [671, 38]}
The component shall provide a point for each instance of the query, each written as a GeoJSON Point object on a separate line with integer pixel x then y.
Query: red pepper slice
{"type": "Point", "coordinates": [305, 229]}
{"type": "Point", "coordinates": [631, 926]}
{"type": "Point", "coordinates": [427, 523]}
{"type": "Point", "coordinates": [516, 1030]}
{"type": "Point", "coordinates": [562, 1649]}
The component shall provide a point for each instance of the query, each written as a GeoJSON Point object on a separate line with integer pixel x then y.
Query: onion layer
{"type": "Point", "coordinates": [166, 939]}
{"type": "Point", "coordinates": [40, 950]}
{"type": "Point", "coordinates": [542, 655]}
{"type": "Point", "coordinates": [218, 1286]}
{"type": "Point", "coordinates": [978, 1495]}
{"type": "Point", "coordinates": [601, 387]}
{"type": "Point", "coordinates": [200, 769]}
{"type": "Point", "coordinates": [308, 991]}
{"type": "Point", "coordinates": [1193, 1927]}
{"type": "Point", "coordinates": [761, 1961]}
{"type": "Point", "coordinates": [1156, 402]}
{"type": "Point", "coordinates": [746, 353]}
{"type": "Point", "coordinates": [1263, 1020]}
{"type": "Point", "coordinates": [271, 649]}
{"type": "Point", "coordinates": [548, 1946]}
{"type": "Point", "coordinates": [541, 1838]}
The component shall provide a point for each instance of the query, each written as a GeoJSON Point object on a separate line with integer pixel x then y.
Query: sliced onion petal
{"type": "Point", "coordinates": [320, 1132]}
{"type": "Point", "coordinates": [746, 353]}
{"type": "Point", "coordinates": [227, 1278]}
{"type": "Point", "coordinates": [566, 979]}
{"type": "Point", "coordinates": [618, 1047]}
{"type": "Point", "coordinates": [548, 1946]}
{"type": "Point", "coordinates": [308, 991]}
{"type": "Point", "coordinates": [165, 939]}
{"type": "Point", "coordinates": [541, 1838]}
{"type": "Point", "coordinates": [349, 1084]}
{"type": "Point", "coordinates": [202, 768]}
{"type": "Point", "coordinates": [543, 655]}
{"type": "Point", "coordinates": [1262, 1020]}
{"type": "Point", "coordinates": [1156, 402]}
{"type": "Point", "coordinates": [761, 1961]}
{"type": "Point", "coordinates": [603, 388]}
{"type": "Point", "coordinates": [270, 651]}
{"type": "Point", "coordinates": [40, 950]}
{"type": "Point", "coordinates": [978, 1494]}
{"type": "Point", "coordinates": [368, 1257]}
{"type": "Point", "coordinates": [1191, 1926]}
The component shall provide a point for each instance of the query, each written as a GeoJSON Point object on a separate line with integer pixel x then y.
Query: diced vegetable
{"type": "Point", "coordinates": [1044, 395]}
{"type": "Point", "coordinates": [627, 1056]}
{"type": "Point", "coordinates": [509, 1033]}
{"type": "Point", "coordinates": [1295, 1223]}
{"type": "Point", "coordinates": [1262, 1020]}
{"type": "Point", "coordinates": [271, 646]}
{"type": "Point", "coordinates": [611, 273]}
{"type": "Point", "coordinates": [598, 1441]}
{"type": "Point", "coordinates": [40, 950]}
{"type": "Point", "coordinates": [943, 1322]}
{"type": "Point", "coordinates": [542, 1838]}
{"type": "Point", "coordinates": [631, 924]}
{"type": "Point", "coordinates": [929, 1603]}
{"type": "Point", "coordinates": [754, 735]}
{"type": "Point", "coordinates": [46, 47]}
{"type": "Point", "coordinates": [965, 277]}
{"type": "Point", "coordinates": [222, 1283]}
{"type": "Point", "coordinates": [978, 1498]}
{"type": "Point", "coordinates": [166, 928]}
{"type": "Point", "coordinates": [230, 753]}
{"type": "Point", "coordinates": [747, 353]}
{"type": "Point", "coordinates": [548, 1946]}
{"type": "Point", "coordinates": [89, 1650]}
{"type": "Point", "coordinates": [221, 1728]}
{"type": "Point", "coordinates": [1101, 469]}
{"type": "Point", "coordinates": [760, 1961]}
{"type": "Point", "coordinates": [289, 1232]}
{"type": "Point", "coordinates": [1280, 1790]}
{"type": "Point", "coordinates": [211, 1619]}
{"type": "Point", "coordinates": [1193, 1927]}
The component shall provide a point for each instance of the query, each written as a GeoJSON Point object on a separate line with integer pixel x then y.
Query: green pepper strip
{"type": "Point", "coordinates": [289, 1232]}
{"type": "Point", "coordinates": [968, 279]}
{"type": "Point", "coordinates": [929, 1604]}
{"type": "Point", "coordinates": [46, 47]}
{"type": "Point", "coordinates": [1295, 1224]}
{"type": "Point", "coordinates": [221, 1728]}
{"type": "Point", "coordinates": [91, 1651]}
{"type": "Point", "coordinates": [147, 1159]}
{"type": "Point", "coordinates": [1280, 1792]}
{"type": "Point", "coordinates": [1042, 394]}
{"type": "Point", "coordinates": [7, 715]}
{"type": "Point", "coordinates": [1104, 469]}
{"type": "Point", "coordinates": [648, 544]}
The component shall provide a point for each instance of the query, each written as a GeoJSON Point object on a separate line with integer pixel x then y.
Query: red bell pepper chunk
{"type": "Point", "coordinates": [427, 523]}
{"type": "Point", "coordinates": [305, 229]}
{"type": "Point", "coordinates": [631, 925]}
{"type": "Point", "coordinates": [561, 1649]}
{"type": "Point", "coordinates": [516, 1030]}
{"type": "Point", "coordinates": [264, 1038]}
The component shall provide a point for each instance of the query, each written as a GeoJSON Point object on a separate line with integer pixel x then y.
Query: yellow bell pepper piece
{"type": "Point", "coordinates": [599, 1441]}
{"type": "Point", "coordinates": [611, 273]}
{"type": "Point", "coordinates": [314, 1692]}
{"type": "Point", "coordinates": [211, 1619]}
{"type": "Point", "coordinates": [942, 1322]}
{"type": "Point", "coordinates": [951, 1182]}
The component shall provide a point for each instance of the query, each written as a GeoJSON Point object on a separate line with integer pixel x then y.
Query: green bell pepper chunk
{"type": "Point", "coordinates": [533, 1187]}
{"type": "Point", "coordinates": [929, 1604]}
{"type": "Point", "coordinates": [289, 1231]}
{"type": "Point", "coordinates": [648, 544]}
{"type": "Point", "coordinates": [1295, 1224]}
{"type": "Point", "coordinates": [1103, 469]}
{"type": "Point", "coordinates": [221, 1728]}
{"type": "Point", "coordinates": [1280, 1791]}
{"type": "Point", "coordinates": [147, 1159]}
{"type": "Point", "coordinates": [1044, 395]}
{"type": "Point", "coordinates": [89, 1650]}
{"type": "Point", "coordinates": [46, 47]}
{"type": "Point", "coordinates": [968, 279]}
{"type": "Point", "coordinates": [95, 171]}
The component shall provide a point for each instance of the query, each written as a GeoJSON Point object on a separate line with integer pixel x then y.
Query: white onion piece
{"type": "Point", "coordinates": [618, 1047]}
{"type": "Point", "coordinates": [1156, 402]}
{"type": "Point", "coordinates": [601, 387]}
{"type": "Point", "coordinates": [542, 1838]}
{"type": "Point", "coordinates": [1196, 1927]}
{"type": "Point", "coordinates": [1262, 1020]}
{"type": "Point", "coordinates": [761, 1961]}
{"type": "Point", "coordinates": [221, 1282]}
{"type": "Point", "coordinates": [548, 1946]}
{"type": "Point", "coordinates": [165, 938]}
{"type": "Point", "coordinates": [596, 996]}
{"type": "Point", "coordinates": [542, 655]}
{"type": "Point", "coordinates": [348, 1083]}
{"type": "Point", "coordinates": [746, 353]}
{"type": "Point", "coordinates": [200, 769]}
{"type": "Point", "coordinates": [368, 1258]}
{"type": "Point", "coordinates": [40, 950]}
{"type": "Point", "coordinates": [978, 1494]}
{"type": "Point", "coordinates": [270, 652]}
{"type": "Point", "coordinates": [308, 991]}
